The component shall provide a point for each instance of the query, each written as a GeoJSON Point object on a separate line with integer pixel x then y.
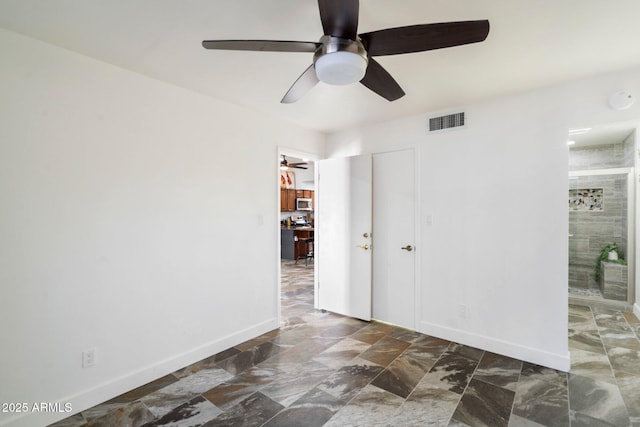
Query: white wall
{"type": "Point", "coordinates": [118, 202]}
{"type": "Point", "coordinates": [496, 194]}
{"type": "Point", "coordinates": [636, 275]}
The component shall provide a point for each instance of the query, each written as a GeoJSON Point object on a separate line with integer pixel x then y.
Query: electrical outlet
{"type": "Point", "coordinates": [89, 358]}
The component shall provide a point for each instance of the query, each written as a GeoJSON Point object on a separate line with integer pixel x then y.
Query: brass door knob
{"type": "Point", "coordinates": [407, 248]}
{"type": "Point", "coordinates": [365, 246]}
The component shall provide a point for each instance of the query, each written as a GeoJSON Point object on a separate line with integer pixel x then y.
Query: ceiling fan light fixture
{"type": "Point", "coordinates": [341, 68]}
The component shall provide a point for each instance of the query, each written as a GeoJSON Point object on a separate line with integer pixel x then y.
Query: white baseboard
{"type": "Point", "coordinates": [560, 362]}
{"type": "Point", "coordinates": [102, 392]}
{"type": "Point", "coordinates": [636, 310]}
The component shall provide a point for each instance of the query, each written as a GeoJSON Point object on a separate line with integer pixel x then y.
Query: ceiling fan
{"type": "Point", "coordinates": [285, 164]}
{"type": "Point", "coordinates": [342, 56]}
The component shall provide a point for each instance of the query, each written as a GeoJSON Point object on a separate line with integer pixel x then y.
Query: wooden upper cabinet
{"type": "Point", "coordinates": [288, 198]}
{"type": "Point", "coordinates": [291, 200]}
{"type": "Point", "coordinates": [284, 197]}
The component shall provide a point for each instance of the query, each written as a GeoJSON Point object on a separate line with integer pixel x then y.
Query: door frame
{"type": "Point", "coordinates": [631, 236]}
{"type": "Point", "coordinates": [419, 220]}
{"type": "Point", "coordinates": [276, 179]}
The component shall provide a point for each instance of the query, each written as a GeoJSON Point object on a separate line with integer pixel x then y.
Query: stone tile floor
{"type": "Point", "coordinates": [324, 369]}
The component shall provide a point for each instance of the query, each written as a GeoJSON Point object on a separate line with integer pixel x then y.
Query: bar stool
{"type": "Point", "coordinates": [305, 249]}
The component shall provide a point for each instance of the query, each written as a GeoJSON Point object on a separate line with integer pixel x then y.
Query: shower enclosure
{"type": "Point", "coordinates": [601, 212]}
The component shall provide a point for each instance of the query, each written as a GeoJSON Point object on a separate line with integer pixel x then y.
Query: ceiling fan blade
{"type": "Point", "coordinates": [418, 38]}
{"type": "Point", "coordinates": [340, 18]}
{"type": "Point", "coordinates": [380, 81]}
{"type": "Point", "coordinates": [305, 82]}
{"type": "Point", "coordinates": [261, 45]}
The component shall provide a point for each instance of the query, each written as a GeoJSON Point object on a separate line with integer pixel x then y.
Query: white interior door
{"type": "Point", "coordinates": [343, 236]}
{"type": "Point", "coordinates": [393, 238]}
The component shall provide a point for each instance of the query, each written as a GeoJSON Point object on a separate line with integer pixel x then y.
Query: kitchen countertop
{"type": "Point", "coordinates": [304, 228]}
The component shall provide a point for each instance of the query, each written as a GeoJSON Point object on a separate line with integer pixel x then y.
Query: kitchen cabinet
{"type": "Point", "coordinates": [304, 194]}
{"type": "Point", "coordinates": [287, 200]}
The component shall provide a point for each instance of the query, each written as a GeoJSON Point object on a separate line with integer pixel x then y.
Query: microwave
{"type": "Point", "coordinates": [304, 204]}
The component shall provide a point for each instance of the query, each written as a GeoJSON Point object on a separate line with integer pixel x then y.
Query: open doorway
{"type": "Point", "coordinates": [602, 216]}
{"type": "Point", "coordinates": [297, 197]}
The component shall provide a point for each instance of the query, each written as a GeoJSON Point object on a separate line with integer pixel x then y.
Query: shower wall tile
{"type": "Point", "coordinates": [590, 231]}
{"type": "Point", "coordinates": [599, 157]}
{"type": "Point", "coordinates": [629, 150]}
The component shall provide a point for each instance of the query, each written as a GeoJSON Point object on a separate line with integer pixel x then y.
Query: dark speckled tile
{"type": "Point", "coordinates": [384, 351]}
{"type": "Point", "coordinates": [629, 384]}
{"type": "Point", "coordinates": [371, 407]}
{"type": "Point", "coordinates": [624, 359]}
{"type": "Point", "coordinates": [303, 351]}
{"type": "Point", "coordinates": [342, 352]}
{"type": "Point", "coordinates": [499, 370]}
{"type": "Point", "coordinates": [132, 414]}
{"type": "Point", "coordinates": [207, 363]}
{"type": "Point", "coordinates": [313, 409]}
{"type": "Point", "coordinates": [435, 346]}
{"type": "Point", "coordinates": [341, 330]}
{"type": "Point", "coordinates": [532, 371]}
{"type": "Point", "coordinates": [616, 338]}
{"type": "Point", "coordinates": [593, 365]}
{"type": "Point", "coordinates": [255, 410]}
{"type": "Point", "coordinates": [321, 368]}
{"type": "Point", "coordinates": [426, 406]}
{"type": "Point", "coordinates": [241, 386]}
{"type": "Point", "coordinates": [119, 402]}
{"type": "Point", "coordinates": [581, 318]}
{"type": "Point", "coordinates": [484, 404]}
{"type": "Point", "coordinates": [137, 393]}
{"type": "Point", "coordinates": [166, 399]}
{"type": "Point", "coordinates": [404, 373]}
{"type": "Point", "coordinates": [248, 358]}
{"type": "Point", "coordinates": [542, 396]}
{"type": "Point", "coordinates": [193, 413]}
{"type": "Point", "coordinates": [289, 387]}
{"type": "Point", "coordinates": [249, 344]}
{"type": "Point", "coordinates": [406, 335]}
{"type": "Point", "coordinates": [597, 399]}
{"type": "Point", "coordinates": [372, 333]}
{"type": "Point", "coordinates": [466, 351]}
{"type": "Point", "coordinates": [582, 420]}
{"type": "Point", "coordinates": [585, 340]}
{"type": "Point", "coordinates": [609, 319]}
{"type": "Point", "coordinates": [345, 383]}
{"type": "Point", "coordinates": [451, 372]}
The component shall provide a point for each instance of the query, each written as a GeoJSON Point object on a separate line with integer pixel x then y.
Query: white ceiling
{"type": "Point", "coordinates": [613, 133]}
{"type": "Point", "coordinates": [531, 44]}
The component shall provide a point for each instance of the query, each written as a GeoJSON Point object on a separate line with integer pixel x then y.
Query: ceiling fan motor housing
{"type": "Point", "coordinates": [340, 61]}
